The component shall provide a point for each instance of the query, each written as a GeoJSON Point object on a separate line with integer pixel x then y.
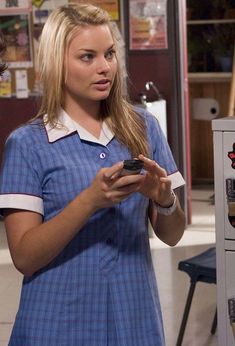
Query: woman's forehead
{"type": "Point", "coordinates": [91, 35]}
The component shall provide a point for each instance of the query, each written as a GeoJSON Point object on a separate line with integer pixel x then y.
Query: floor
{"type": "Point", "coordinates": [173, 284]}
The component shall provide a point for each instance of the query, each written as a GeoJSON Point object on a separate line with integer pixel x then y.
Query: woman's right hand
{"type": "Point", "coordinates": [109, 188]}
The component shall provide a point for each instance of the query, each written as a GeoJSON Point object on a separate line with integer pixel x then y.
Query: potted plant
{"type": "Point", "coordinates": [218, 8]}
{"type": "Point", "coordinates": [198, 51]}
{"type": "Point", "coordinates": [223, 45]}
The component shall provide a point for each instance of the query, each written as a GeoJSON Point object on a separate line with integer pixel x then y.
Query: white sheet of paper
{"type": "Point", "coordinates": [22, 91]}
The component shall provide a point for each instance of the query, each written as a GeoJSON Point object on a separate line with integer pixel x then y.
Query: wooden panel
{"type": "Point", "coordinates": [14, 112]}
{"type": "Point", "coordinates": [201, 133]}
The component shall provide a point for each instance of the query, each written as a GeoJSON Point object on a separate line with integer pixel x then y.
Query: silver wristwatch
{"type": "Point", "coordinates": [166, 210]}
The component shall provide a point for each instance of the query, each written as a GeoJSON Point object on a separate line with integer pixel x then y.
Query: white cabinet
{"type": "Point", "coordinates": [230, 291]}
{"type": "Point", "coordinates": [224, 168]}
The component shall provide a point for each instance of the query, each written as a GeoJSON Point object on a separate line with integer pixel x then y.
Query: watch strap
{"type": "Point", "coordinates": [166, 210]}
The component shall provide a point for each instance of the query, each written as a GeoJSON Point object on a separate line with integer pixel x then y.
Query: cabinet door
{"type": "Point", "coordinates": [230, 293]}
{"type": "Point", "coordinates": [228, 165]}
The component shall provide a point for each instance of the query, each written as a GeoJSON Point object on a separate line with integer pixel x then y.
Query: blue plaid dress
{"type": "Point", "coordinates": [101, 289]}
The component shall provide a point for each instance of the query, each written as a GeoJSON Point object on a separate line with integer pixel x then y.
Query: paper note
{"type": "Point", "coordinates": [22, 90]}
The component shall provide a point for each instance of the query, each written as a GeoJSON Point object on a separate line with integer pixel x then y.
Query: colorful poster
{"type": "Point", "coordinates": [111, 6]}
{"type": "Point", "coordinates": [16, 31]}
{"type": "Point", "coordinates": [148, 24]}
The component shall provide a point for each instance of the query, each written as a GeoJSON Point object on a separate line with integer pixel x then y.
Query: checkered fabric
{"type": "Point", "coordinates": [101, 289]}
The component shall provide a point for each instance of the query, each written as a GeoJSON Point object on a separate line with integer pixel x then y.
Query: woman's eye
{"type": "Point", "coordinates": [87, 57]}
{"type": "Point", "coordinates": [110, 54]}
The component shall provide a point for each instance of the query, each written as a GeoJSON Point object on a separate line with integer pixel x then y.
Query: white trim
{"type": "Point", "coordinates": [176, 180]}
{"type": "Point", "coordinates": [105, 135]}
{"type": "Point", "coordinates": [64, 128]}
{"type": "Point", "coordinates": [67, 125]}
{"type": "Point", "coordinates": [21, 201]}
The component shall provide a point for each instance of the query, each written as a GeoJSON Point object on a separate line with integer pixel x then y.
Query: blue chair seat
{"type": "Point", "coordinates": [199, 268]}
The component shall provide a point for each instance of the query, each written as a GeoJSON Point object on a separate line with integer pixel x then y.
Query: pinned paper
{"type": "Point", "coordinates": [5, 84]}
{"type": "Point", "coordinates": [22, 91]}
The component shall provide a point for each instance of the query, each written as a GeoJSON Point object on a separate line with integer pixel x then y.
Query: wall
{"type": "Point", "coordinates": [201, 132]}
{"type": "Point", "coordinates": [13, 113]}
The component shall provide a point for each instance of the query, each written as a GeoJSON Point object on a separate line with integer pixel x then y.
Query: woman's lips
{"type": "Point", "coordinates": [102, 84]}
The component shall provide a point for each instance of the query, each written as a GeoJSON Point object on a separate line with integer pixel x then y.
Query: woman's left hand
{"type": "Point", "coordinates": [156, 185]}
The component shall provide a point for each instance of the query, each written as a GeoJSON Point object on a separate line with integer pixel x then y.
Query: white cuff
{"type": "Point", "coordinates": [21, 201]}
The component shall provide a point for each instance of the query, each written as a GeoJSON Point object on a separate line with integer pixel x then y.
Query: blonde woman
{"type": "Point", "coordinates": [77, 227]}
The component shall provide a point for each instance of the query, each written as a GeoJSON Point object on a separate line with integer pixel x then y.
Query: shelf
{"type": "Point", "coordinates": [210, 21]}
{"type": "Point", "coordinates": [206, 77]}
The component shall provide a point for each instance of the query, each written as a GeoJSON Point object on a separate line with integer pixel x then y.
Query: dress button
{"type": "Point", "coordinates": [102, 155]}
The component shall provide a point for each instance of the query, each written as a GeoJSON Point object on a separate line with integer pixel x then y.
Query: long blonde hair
{"type": "Point", "coordinates": [128, 127]}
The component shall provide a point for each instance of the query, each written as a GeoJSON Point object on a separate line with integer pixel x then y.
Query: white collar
{"type": "Point", "coordinates": [66, 126]}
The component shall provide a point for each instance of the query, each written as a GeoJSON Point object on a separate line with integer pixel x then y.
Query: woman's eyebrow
{"type": "Point", "coordinates": [93, 50]}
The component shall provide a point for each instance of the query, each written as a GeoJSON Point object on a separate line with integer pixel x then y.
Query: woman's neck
{"type": "Point", "coordinates": [87, 116]}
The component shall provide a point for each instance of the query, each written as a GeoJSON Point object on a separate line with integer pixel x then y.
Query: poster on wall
{"type": "Point", "coordinates": [16, 30]}
{"type": "Point", "coordinates": [111, 6]}
{"type": "Point", "coordinates": [15, 6]}
{"type": "Point", "coordinates": [148, 24]}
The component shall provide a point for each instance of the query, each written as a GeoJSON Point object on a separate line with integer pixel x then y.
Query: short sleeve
{"type": "Point", "coordinates": [20, 186]}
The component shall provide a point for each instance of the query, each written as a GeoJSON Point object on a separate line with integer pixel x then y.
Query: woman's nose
{"type": "Point", "coordinates": [103, 66]}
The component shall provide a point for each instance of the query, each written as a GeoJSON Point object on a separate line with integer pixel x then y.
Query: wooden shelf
{"type": "Point", "coordinates": [207, 77]}
{"type": "Point", "coordinates": [210, 21]}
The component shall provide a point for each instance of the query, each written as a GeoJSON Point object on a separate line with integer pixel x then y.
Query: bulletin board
{"type": "Point", "coordinates": [16, 29]}
{"type": "Point", "coordinates": [21, 22]}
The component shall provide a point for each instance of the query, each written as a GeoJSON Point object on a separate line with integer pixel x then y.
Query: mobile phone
{"type": "Point", "coordinates": [132, 166]}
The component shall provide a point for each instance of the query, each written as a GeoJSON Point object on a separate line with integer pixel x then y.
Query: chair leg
{"type": "Point", "coordinates": [214, 324]}
{"type": "Point", "coordinates": [186, 313]}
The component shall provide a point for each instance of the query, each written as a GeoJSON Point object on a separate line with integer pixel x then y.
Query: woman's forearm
{"type": "Point", "coordinates": [36, 246]}
{"type": "Point", "coordinates": [168, 228]}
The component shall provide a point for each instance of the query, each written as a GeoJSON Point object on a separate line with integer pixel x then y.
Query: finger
{"type": "Point", "coordinates": [113, 170]}
{"type": "Point", "coordinates": [152, 166]}
{"type": "Point", "coordinates": [126, 180]}
{"type": "Point", "coordinates": [165, 180]}
{"type": "Point", "coordinates": [125, 191]}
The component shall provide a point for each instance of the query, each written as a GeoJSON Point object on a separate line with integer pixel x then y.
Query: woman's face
{"type": "Point", "coordinates": [90, 65]}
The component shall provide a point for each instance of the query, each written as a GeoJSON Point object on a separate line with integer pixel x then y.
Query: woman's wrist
{"type": "Point", "coordinates": [168, 208]}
